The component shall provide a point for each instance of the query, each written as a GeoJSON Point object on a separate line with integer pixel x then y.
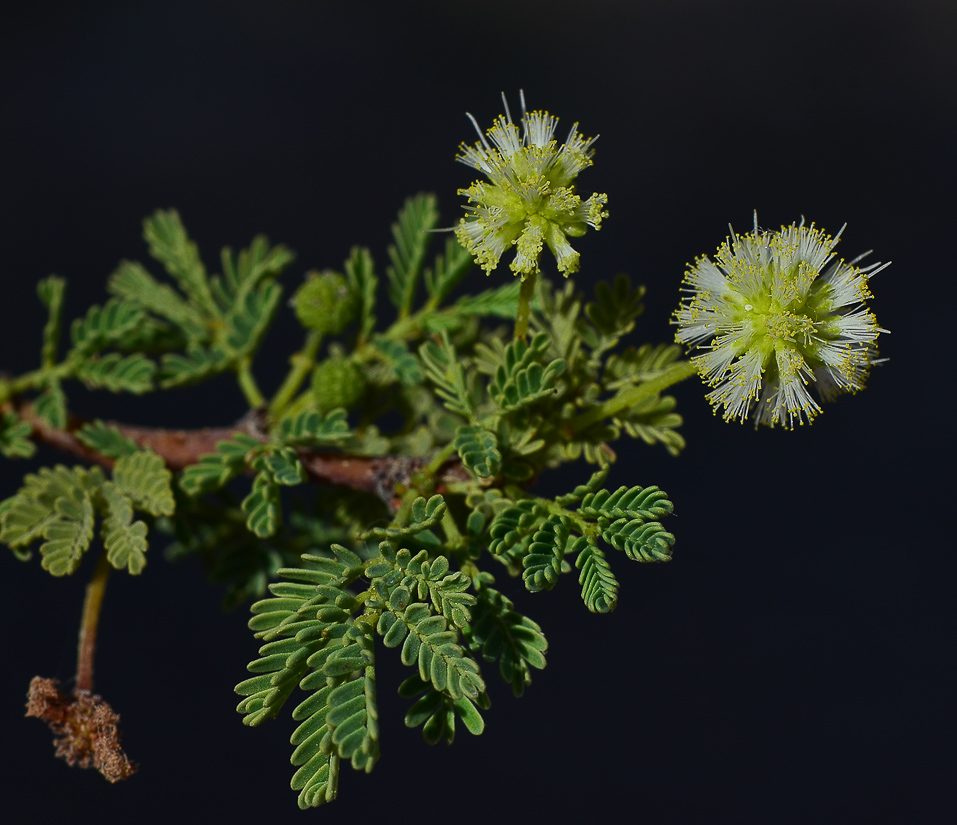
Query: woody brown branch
{"type": "Point", "coordinates": [181, 448]}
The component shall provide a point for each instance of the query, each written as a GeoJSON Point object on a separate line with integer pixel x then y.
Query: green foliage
{"type": "Point", "coordinates": [512, 529]}
{"type": "Point", "coordinates": [499, 633]}
{"type": "Point", "coordinates": [220, 320]}
{"type": "Point", "coordinates": [640, 541]}
{"type": "Point", "coordinates": [59, 505]}
{"type": "Point", "coordinates": [422, 515]}
{"type": "Point", "coordinates": [428, 643]}
{"type": "Point", "coordinates": [614, 311]}
{"type": "Point", "coordinates": [543, 561]}
{"type": "Point", "coordinates": [500, 302]}
{"type": "Point", "coordinates": [245, 271]}
{"type": "Point", "coordinates": [213, 470]}
{"type": "Point", "coordinates": [363, 283]}
{"type": "Point", "coordinates": [520, 377]}
{"type": "Point", "coordinates": [449, 269]}
{"type": "Point", "coordinates": [15, 437]}
{"type": "Point", "coordinates": [464, 416]}
{"type": "Point", "coordinates": [50, 405]}
{"type": "Point", "coordinates": [634, 366]}
{"type": "Point", "coordinates": [478, 449]}
{"type": "Point", "coordinates": [629, 502]}
{"type": "Point", "coordinates": [248, 320]}
{"type": "Point", "coordinates": [52, 291]}
{"type": "Point", "coordinates": [54, 505]}
{"type": "Point", "coordinates": [412, 234]}
{"type": "Point", "coordinates": [313, 641]}
{"type": "Point", "coordinates": [170, 245]}
{"type": "Point", "coordinates": [425, 578]}
{"type": "Point", "coordinates": [123, 539]}
{"type": "Point", "coordinates": [654, 422]}
{"type": "Point", "coordinates": [191, 367]}
{"type": "Point", "coordinates": [599, 585]}
{"type": "Point", "coordinates": [262, 506]}
{"type": "Point", "coordinates": [405, 366]}
{"type": "Point", "coordinates": [313, 429]}
{"type": "Point", "coordinates": [142, 477]}
{"type": "Point", "coordinates": [117, 373]}
{"type": "Point", "coordinates": [444, 370]}
{"type": "Point", "coordinates": [69, 534]}
{"type": "Point", "coordinates": [105, 326]}
{"type": "Point", "coordinates": [436, 711]}
{"type": "Point", "coordinates": [133, 282]}
{"type": "Point", "coordinates": [106, 440]}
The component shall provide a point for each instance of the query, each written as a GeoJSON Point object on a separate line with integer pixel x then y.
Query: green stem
{"type": "Point", "coordinates": [525, 295]}
{"type": "Point", "coordinates": [631, 396]}
{"type": "Point", "coordinates": [440, 458]}
{"type": "Point", "coordinates": [302, 364]}
{"type": "Point", "coordinates": [36, 379]}
{"type": "Point", "coordinates": [248, 384]}
{"type": "Point", "coordinates": [95, 591]}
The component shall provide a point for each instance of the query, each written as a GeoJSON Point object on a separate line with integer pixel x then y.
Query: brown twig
{"type": "Point", "coordinates": [180, 448]}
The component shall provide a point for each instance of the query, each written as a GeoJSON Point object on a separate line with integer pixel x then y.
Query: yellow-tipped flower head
{"type": "Point", "coordinates": [774, 315]}
{"type": "Point", "coordinates": [529, 201]}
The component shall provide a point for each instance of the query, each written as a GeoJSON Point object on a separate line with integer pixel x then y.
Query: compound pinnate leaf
{"type": "Point", "coordinates": [123, 539]}
{"type": "Point", "coordinates": [478, 449]}
{"type": "Point", "coordinates": [599, 585]}
{"type": "Point", "coordinates": [106, 440]}
{"type": "Point", "coordinates": [639, 540]}
{"type": "Point", "coordinates": [543, 562]}
{"type": "Point", "coordinates": [68, 536]}
{"type": "Point", "coordinates": [500, 633]}
{"type": "Point", "coordinates": [437, 713]}
{"type": "Point", "coordinates": [363, 283]}
{"type": "Point", "coordinates": [118, 373]}
{"type": "Point", "coordinates": [423, 514]}
{"type": "Point", "coordinates": [262, 506]}
{"type": "Point", "coordinates": [15, 436]}
{"type": "Point", "coordinates": [412, 234]}
{"type": "Point", "coordinates": [170, 245]}
{"type": "Point", "coordinates": [106, 325]}
{"type": "Point", "coordinates": [631, 502]}
{"type": "Point", "coordinates": [213, 470]}
{"type": "Point", "coordinates": [444, 370]}
{"type": "Point", "coordinates": [194, 366]}
{"type": "Point", "coordinates": [52, 291]}
{"type": "Point", "coordinates": [310, 428]}
{"type": "Point", "coordinates": [249, 319]}
{"type": "Point", "coordinates": [50, 405]}
{"type": "Point", "coordinates": [145, 480]}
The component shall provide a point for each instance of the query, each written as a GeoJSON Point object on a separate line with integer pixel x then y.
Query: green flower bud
{"type": "Point", "coordinates": [324, 303]}
{"type": "Point", "coordinates": [337, 382]}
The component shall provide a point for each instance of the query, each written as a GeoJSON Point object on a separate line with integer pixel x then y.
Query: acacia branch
{"type": "Point", "coordinates": [181, 448]}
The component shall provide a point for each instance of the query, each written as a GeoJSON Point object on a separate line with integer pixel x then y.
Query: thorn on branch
{"type": "Point", "coordinates": [86, 729]}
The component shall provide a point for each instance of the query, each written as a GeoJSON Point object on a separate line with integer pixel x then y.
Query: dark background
{"type": "Point", "coordinates": [793, 664]}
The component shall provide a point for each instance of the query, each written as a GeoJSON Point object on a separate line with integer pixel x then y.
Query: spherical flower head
{"type": "Point", "coordinates": [529, 200]}
{"type": "Point", "coordinates": [774, 315]}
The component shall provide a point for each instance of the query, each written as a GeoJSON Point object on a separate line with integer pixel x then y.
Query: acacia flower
{"type": "Point", "coordinates": [530, 200]}
{"type": "Point", "coordinates": [774, 314]}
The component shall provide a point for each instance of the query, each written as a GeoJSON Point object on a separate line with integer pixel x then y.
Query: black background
{"type": "Point", "coordinates": [793, 664]}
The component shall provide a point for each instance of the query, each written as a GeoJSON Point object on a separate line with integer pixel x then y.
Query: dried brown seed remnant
{"type": "Point", "coordinates": [86, 729]}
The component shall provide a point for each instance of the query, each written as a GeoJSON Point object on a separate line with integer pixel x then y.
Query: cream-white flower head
{"type": "Point", "coordinates": [774, 315]}
{"type": "Point", "coordinates": [530, 199]}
